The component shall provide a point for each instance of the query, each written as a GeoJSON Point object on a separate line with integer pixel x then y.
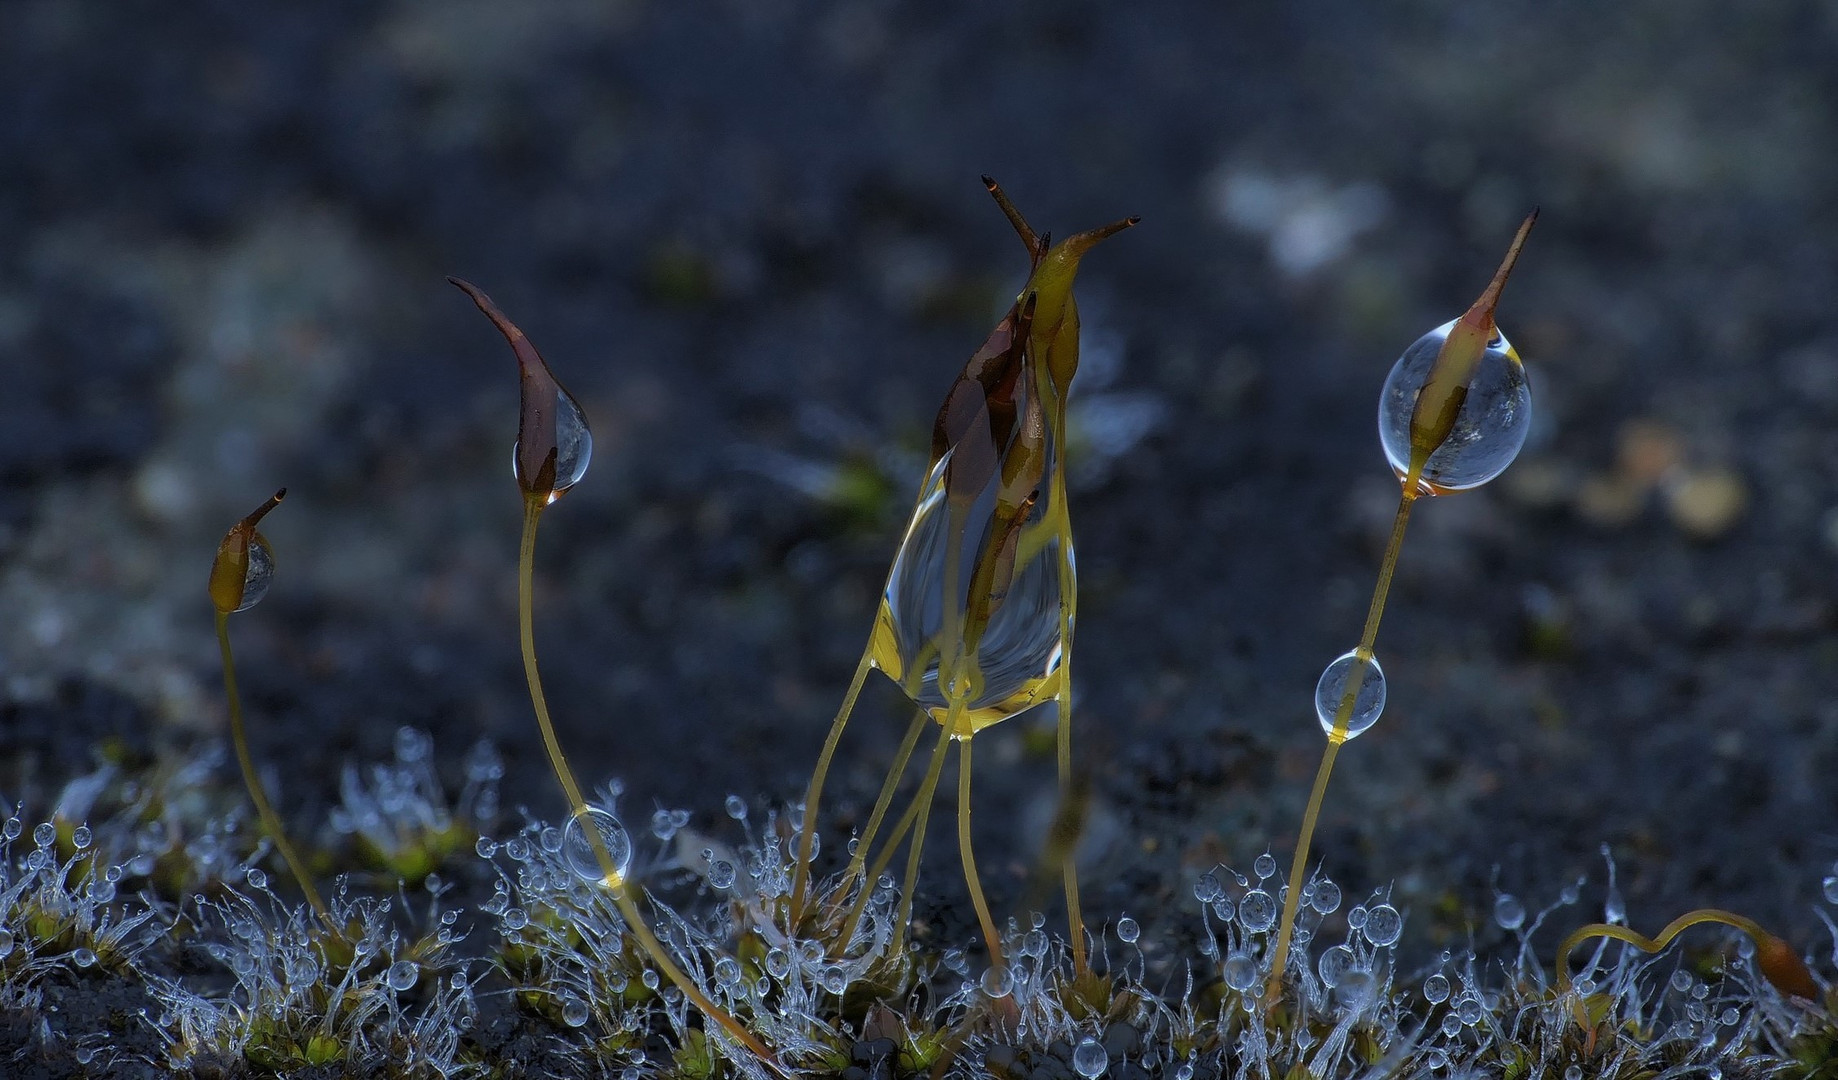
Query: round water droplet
{"type": "Point", "coordinates": [998, 983]}
{"type": "Point", "coordinates": [649, 978]}
{"type": "Point", "coordinates": [1128, 931]}
{"type": "Point", "coordinates": [737, 808]}
{"type": "Point", "coordinates": [85, 1055]}
{"type": "Point", "coordinates": [1264, 866]}
{"type": "Point", "coordinates": [727, 971]}
{"type": "Point", "coordinates": [260, 572]}
{"type": "Point", "coordinates": [402, 975]}
{"type": "Point", "coordinates": [1383, 925]}
{"type": "Point", "coordinates": [1240, 971]}
{"type": "Point", "coordinates": [255, 877]}
{"type": "Point", "coordinates": [1334, 965]}
{"type": "Point", "coordinates": [1469, 1011]}
{"type": "Point", "coordinates": [1489, 429]}
{"type": "Point", "coordinates": [1356, 988]}
{"type": "Point", "coordinates": [1257, 911]}
{"type": "Point", "coordinates": [1451, 1025]}
{"type": "Point", "coordinates": [12, 828]}
{"type": "Point", "coordinates": [721, 874]}
{"type": "Point", "coordinates": [412, 745]}
{"type": "Point", "coordinates": [574, 446]}
{"type": "Point", "coordinates": [44, 834]}
{"type": "Point", "coordinates": [84, 958]}
{"type": "Point", "coordinates": [1614, 908]}
{"type": "Point", "coordinates": [778, 963]}
{"type": "Point", "coordinates": [1326, 898]}
{"type": "Point", "coordinates": [1089, 1060]}
{"type": "Point", "coordinates": [663, 825]}
{"type": "Point", "coordinates": [518, 849]}
{"type": "Point", "coordinates": [574, 1011]}
{"type": "Point", "coordinates": [1356, 918]}
{"type": "Point", "coordinates": [1368, 702]}
{"type": "Point", "coordinates": [583, 855]}
{"type": "Point", "coordinates": [80, 839]}
{"type": "Point", "coordinates": [1224, 909]}
{"type": "Point", "coordinates": [1436, 989]}
{"type": "Point", "coordinates": [1033, 943]}
{"type": "Point", "coordinates": [1574, 1072]}
{"type": "Point", "coordinates": [1831, 889]}
{"type": "Point", "coordinates": [516, 919]}
{"type": "Point", "coordinates": [1508, 912]}
{"type": "Point", "coordinates": [486, 847]}
{"type": "Point", "coordinates": [1207, 889]}
{"type": "Point", "coordinates": [6, 943]}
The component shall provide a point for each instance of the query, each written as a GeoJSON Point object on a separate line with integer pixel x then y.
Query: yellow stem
{"type": "Point", "coordinates": [271, 822]}
{"type": "Point", "coordinates": [1068, 607]}
{"type": "Point", "coordinates": [1653, 944]}
{"type": "Point", "coordinates": [614, 877]}
{"type": "Point", "coordinates": [801, 875]}
{"type": "Point", "coordinates": [865, 842]}
{"type": "Point", "coordinates": [990, 937]}
{"type": "Point", "coordinates": [873, 874]}
{"type": "Point", "coordinates": [1343, 716]}
{"type": "Point", "coordinates": [922, 803]}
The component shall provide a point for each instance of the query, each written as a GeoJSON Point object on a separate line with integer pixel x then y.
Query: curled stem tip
{"type": "Point", "coordinates": [1483, 308]}
{"type": "Point", "coordinates": [1036, 244]}
{"type": "Point", "coordinates": [484, 302]}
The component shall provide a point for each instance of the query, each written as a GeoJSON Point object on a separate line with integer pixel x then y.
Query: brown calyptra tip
{"type": "Point", "coordinates": [537, 441]}
{"type": "Point", "coordinates": [230, 569]}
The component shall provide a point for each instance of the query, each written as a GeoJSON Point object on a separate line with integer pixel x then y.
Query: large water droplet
{"type": "Point", "coordinates": [1326, 897]}
{"type": "Point", "coordinates": [1436, 989]}
{"type": "Point", "coordinates": [574, 446]}
{"type": "Point", "coordinates": [1128, 931]}
{"type": "Point", "coordinates": [1257, 911]}
{"type": "Point", "coordinates": [583, 855]}
{"type": "Point", "coordinates": [259, 574]}
{"type": "Point", "coordinates": [1089, 1060]}
{"type": "Point", "coordinates": [997, 982]}
{"type": "Point", "coordinates": [574, 1011]}
{"type": "Point", "coordinates": [1240, 971]}
{"type": "Point", "coordinates": [1264, 866]}
{"type": "Point", "coordinates": [1383, 925]}
{"type": "Point", "coordinates": [1368, 701]}
{"type": "Point", "coordinates": [1334, 965]}
{"type": "Point", "coordinates": [1489, 430]}
{"type": "Point", "coordinates": [402, 975]}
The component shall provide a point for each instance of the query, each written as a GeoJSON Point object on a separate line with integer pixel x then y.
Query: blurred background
{"type": "Point", "coordinates": [751, 238]}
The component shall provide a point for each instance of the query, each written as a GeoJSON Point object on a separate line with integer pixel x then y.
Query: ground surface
{"type": "Point", "coordinates": [751, 238]}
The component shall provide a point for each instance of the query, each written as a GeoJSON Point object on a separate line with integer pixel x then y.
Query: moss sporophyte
{"type": "Point", "coordinates": [795, 974]}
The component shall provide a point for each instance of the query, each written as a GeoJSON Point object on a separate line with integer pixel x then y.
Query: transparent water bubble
{"type": "Point", "coordinates": [1383, 925]}
{"type": "Point", "coordinates": [1240, 971]}
{"type": "Point", "coordinates": [412, 745]}
{"type": "Point", "coordinates": [1508, 912]}
{"type": "Point", "coordinates": [1368, 701]}
{"type": "Point", "coordinates": [1356, 988]}
{"type": "Point", "coordinates": [1264, 866]}
{"type": "Point", "coordinates": [1128, 931]}
{"type": "Point", "coordinates": [259, 574]}
{"type": "Point", "coordinates": [1469, 1010]}
{"type": "Point", "coordinates": [1033, 944]}
{"type": "Point", "coordinates": [727, 971]}
{"type": "Point", "coordinates": [1224, 909]}
{"type": "Point", "coordinates": [1831, 889]}
{"type": "Point", "coordinates": [402, 975]}
{"type": "Point", "coordinates": [84, 957]}
{"type": "Point", "coordinates": [721, 874]}
{"type": "Point", "coordinates": [44, 834]}
{"type": "Point", "coordinates": [834, 978]}
{"type": "Point", "coordinates": [649, 978]}
{"type": "Point", "coordinates": [1451, 1025]}
{"type": "Point", "coordinates": [1489, 430]}
{"type": "Point", "coordinates": [1574, 1072]}
{"type": "Point", "coordinates": [12, 828]}
{"type": "Point", "coordinates": [997, 982]}
{"type": "Point", "coordinates": [574, 445]}
{"type": "Point", "coordinates": [486, 847]}
{"type": "Point", "coordinates": [583, 855]}
{"type": "Point", "coordinates": [516, 919]}
{"type": "Point", "coordinates": [574, 1011]}
{"type": "Point", "coordinates": [518, 849]}
{"type": "Point", "coordinates": [1207, 888]}
{"type": "Point", "coordinates": [1256, 911]}
{"type": "Point", "coordinates": [1682, 981]}
{"type": "Point", "coordinates": [300, 970]}
{"type": "Point", "coordinates": [6, 942]}
{"type": "Point", "coordinates": [778, 963]}
{"type": "Point", "coordinates": [1436, 989]}
{"type": "Point", "coordinates": [1090, 1060]}
{"type": "Point", "coordinates": [255, 877]}
{"type": "Point", "coordinates": [736, 807]}
{"type": "Point", "coordinates": [663, 825]}
{"type": "Point", "coordinates": [80, 839]}
{"type": "Point", "coordinates": [1356, 918]}
{"type": "Point", "coordinates": [1326, 897]}
{"type": "Point", "coordinates": [1334, 964]}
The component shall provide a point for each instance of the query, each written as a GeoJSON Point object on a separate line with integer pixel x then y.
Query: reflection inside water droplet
{"type": "Point", "coordinates": [259, 574]}
{"type": "Point", "coordinates": [1331, 690]}
{"type": "Point", "coordinates": [1489, 429]}
{"type": "Point", "coordinates": [574, 447]}
{"type": "Point", "coordinates": [584, 856]}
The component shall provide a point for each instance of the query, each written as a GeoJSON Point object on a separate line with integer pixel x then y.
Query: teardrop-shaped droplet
{"type": "Point", "coordinates": [259, 574]}
{"type": "Point", "coordinates": [584, 856]}
{"type": "Point", "coordinates": [1017, 658]}
{"type": "Point", "coordinates": [1331, 695]}
{"type": "Point", "coordinates": [1489, 429]}
{"type": "Point", "coordinates": [574, 446]}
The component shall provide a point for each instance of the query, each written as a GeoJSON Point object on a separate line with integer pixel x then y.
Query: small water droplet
{"type": "Point", "coordinates": [85, 1055]}
{"type": "Point", "coordinates": [1436, 989]}
{"type": "Point", "coordinates": [402, 975]}
{"type": "Point", "coordinates": [663, 825]}
{"type": "Point", "coordinates": [1207, 888]}
{"type": "Point", "coordinates": [1469, 1010]}
{"type": "Point", "coordinates": [84, 957]}
{"type": "Point", "coordinates": [649, 978]}
{"type": "Point", "coordinates": [518, 849]}
{"type": "Point", "coordinates": [1264, 866]}
{"type": "Point", "coordinates": [1831, 889]}
{"type": "Point", "coordinates": [574, 1011]}
{"type": "Point", "coordinates": [256, 878]}
{"type": "Point", "coordinates": [1089, 1060]}
{"type": "Point", "coordinates": [1128, 931]}
{"type": "Point", "coordinates": [486, 847]}
{"type": "Point", "coordinates": [727, 971]}
{"type": "Point", "coordinates": [1334, 965]}
{"type": "Point", "coordinates": [1356, 918]}
{"type": "Point", "coordinates": [1508, 912]}
{"type": "Point", "coordinates": [1256, 911]}
{"type": "Point", "coordinates": [721, 874]}
{"type": "Point", "coordinates": [1489, 430]}
{"type": "Point", "coordinates": [737, 808]}
{"type": "Point", "coordinates": [1240, 971]}
{"type": "Point", "coordinates": [1614, 908]}
{"type": "Point", "coordinates": [998, 983]}
{"type": "Point", "coordinates": [1383, 925]}
{"type": "Point", "coordinates": [44, 834]}
{"type": "Point", "coordinates": [1574, 1072]}
{"type": "Point", "coordinates": [12, 828]}
{"type": "Point", "coordinates": [583, 855]}
{"type": "Point", "coordinates": [412, 745]}
{"type": "Point", "coordinates": [1368, 702]}
{"type": "Point", "coordinates": [1326, 898]}
{"type": "Point", "coordinates": [80, 839]}
{"type": "Point", "coordinates": [6, 942]}
{"type": "Point", "coordinates": [778, 963]}
{"type": "Point", "coordinates": [516, 919]}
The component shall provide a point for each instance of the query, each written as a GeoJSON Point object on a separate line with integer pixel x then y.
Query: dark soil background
{"type": "Point", "coordinates": [750, 236]}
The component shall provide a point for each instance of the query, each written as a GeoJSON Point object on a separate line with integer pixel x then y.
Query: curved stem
{"type": "Point", "coordinates": [990, 937]}
{"type": "Point", "coordinates": [801, 876]}
{"type": "Point", "coordinates": [614, 877]}
{"type": "Point", "coordinates": [922, 803]}
{"type": "Point", "coordinates": [1653, 944]}
{"type": "Point", "coordinates": [1068, 607]}
{"type": "Point", "coordinates": [1343, 717]}
{"type": "Point", "coordinates": [271, 822]}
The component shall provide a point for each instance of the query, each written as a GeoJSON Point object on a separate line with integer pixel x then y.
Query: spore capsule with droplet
{"type": "Point", "coordinates": [1489, 429]}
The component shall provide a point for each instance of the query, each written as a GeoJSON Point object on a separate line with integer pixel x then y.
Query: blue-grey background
{"type": "Point", "coordinates": [751, 237]}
